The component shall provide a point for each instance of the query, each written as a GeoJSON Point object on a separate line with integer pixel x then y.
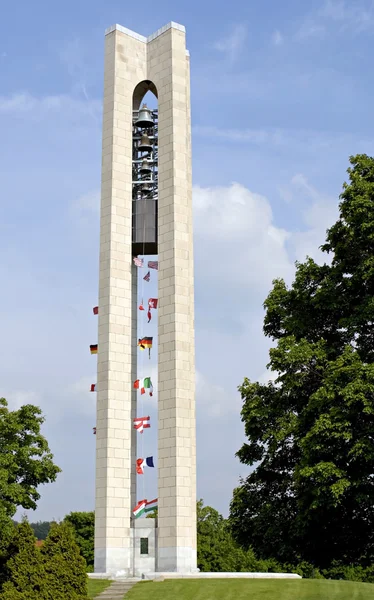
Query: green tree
{"type": "Point", "coordinates": [65, 568]}
{"type": "Point", "coordinates": [216, 549]}
{"type": "Point", "coordinates": [310, 433]}
{"type": "Point", "coordinates": [25, 459]}
{"type": "Point", "coordinates": [23, 571]}
{"type": "Point", "coordinates": [83, 524]}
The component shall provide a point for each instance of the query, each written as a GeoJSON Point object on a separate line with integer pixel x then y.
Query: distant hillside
{"type": "Point", "coordinates": [41, 529]}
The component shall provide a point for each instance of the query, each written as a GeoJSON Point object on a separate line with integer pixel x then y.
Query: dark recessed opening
{"type": "Point", "coordinates": [143, 545]}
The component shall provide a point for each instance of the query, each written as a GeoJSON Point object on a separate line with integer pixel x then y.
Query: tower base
{"type": "Point", "coordinates": [143, 557]}
{"type": "Point", "coordinates": [136, 561]}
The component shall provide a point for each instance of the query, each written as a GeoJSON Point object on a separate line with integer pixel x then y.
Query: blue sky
{"type": "Point", "coordinates": [281, 96]}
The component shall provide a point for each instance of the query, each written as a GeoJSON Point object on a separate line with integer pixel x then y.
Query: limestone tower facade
{"type": "Point", "coordinates": [146, 212]}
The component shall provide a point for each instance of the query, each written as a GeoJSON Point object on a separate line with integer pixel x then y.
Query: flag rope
{"type": "Point", "coordinates": [142, 358]}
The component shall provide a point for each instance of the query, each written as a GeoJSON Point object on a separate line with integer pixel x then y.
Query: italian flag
{"type": "Point", "coordinates": [151, 505]}
{"type": "Point", "coordinates": [139, 508]}
{"type": "Point", "coordinates": [144, 384]}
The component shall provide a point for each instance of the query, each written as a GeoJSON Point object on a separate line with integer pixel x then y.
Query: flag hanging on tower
{"type": "Point", "coordinates": [147, 277]}
{"type": "Point", "coordinates": [142, 462]}
{"type": "Point", "coordinates": [139, 508]}
{"type": "Point", "coordinates": [95, 310]}
{"type": "Point", "coordinates": [93, 348]}
{"type": "Point", "coordinates": [93, 387]}
{"type": "Point", "coordinates": [94, 430]}
{"type": "Point", "coordinates": [141, 423]}
{"type": "Point", "coordinates": [146, 342]}
{"type": "Point", "coordinates": [141, 307]}
{"type": "Point", "coordinates": [151, 505]}
{"type": "Point", "coordinates": [138, 262]}
{"type": "Point", "coordinates": [153, 264]}
{"type": "Point", "coordinates": [152, 303]}
{"type": "Point", "coordinates": [144, 384]}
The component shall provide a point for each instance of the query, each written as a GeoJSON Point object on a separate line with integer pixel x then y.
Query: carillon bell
{"type": "Point", "coordinates": [145, 119]}
{"type": "Point", "coordinates": [145, 143]}
{"type": "Point", "coordinates": [146, 189]}
{"type": "Point", "coordinates": [145, 167]}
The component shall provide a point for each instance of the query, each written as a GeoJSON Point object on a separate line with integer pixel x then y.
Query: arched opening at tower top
{"type": "Point", "coordinates": [145, 93]}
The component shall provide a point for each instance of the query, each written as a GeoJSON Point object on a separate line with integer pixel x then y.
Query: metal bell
{"type": "Point", "coordinates": [145, 143]}
{"type": "Point", "coordinates": [145, 167]}
{"type": "Point", "coordinates": [146, 189]}
{"type": "Point", "coordinates": [145, 119]}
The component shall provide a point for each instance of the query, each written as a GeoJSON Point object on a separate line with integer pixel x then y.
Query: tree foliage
{"type": "Point", "coordinates": [25, 459]}
{"type": "Point", "coordinates": [65, 568]}
{"type": "Point", "coordinates": [83, 524]}
{"type": "Point", "coordinates": [310, 433]}
{"type": "Point", "coordinates": [24, 572]}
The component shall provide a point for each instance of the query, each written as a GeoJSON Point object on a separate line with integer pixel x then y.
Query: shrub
{"type": "Point", "coordinates": [24, 571]}
{"type": "Point", "coordinates": [350, 572]}
{"type": "Point", "coordinates": [65, 568]}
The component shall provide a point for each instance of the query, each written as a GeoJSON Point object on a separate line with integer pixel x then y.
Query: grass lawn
{"type": "Point", "coordinates": [251, 589]}
{"type": "Point", "coordinates": [96, 586]}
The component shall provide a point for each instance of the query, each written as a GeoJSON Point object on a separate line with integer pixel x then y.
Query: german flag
{"type": "Point", "coordinates": [146, 342]}
{"type": "Point", "coordinates": [93, 348]}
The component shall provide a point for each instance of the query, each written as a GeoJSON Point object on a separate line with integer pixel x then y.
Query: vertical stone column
{"type": "Point", "coordinates": [192, 308]}
{"type": "Point", "coordinates": [168, 69]}
{"type": "Point", "coordinates": [125, 60]}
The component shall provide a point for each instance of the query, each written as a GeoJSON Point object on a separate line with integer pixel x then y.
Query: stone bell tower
{"type": "Point", "coordinates": [146, 210]}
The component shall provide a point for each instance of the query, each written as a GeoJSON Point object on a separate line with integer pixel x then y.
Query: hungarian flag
{"type": "Point", "coordinates": [141, 423]}
{"type": "Point", "coordinates": [139, 508]}
{"type": "Point", "coordinates": [95, 310]}
{"type": "Point", "coordinates": [144, 384]}
{"type": "Point", "coordinates": [151, 505]}
{"type": "Point", "coordinates": [93, 387]}
{"type": "Point", "coordinates": [146, 342]}
{"type": "Point", "coordinates": [142, 462]}
{"type": "Point", "coordinates": [152, 303]}
{"type": "Point", "coordinates": [93, 348]}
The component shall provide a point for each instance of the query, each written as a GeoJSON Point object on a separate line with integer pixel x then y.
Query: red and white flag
{"type": "Point", "coordinates": [138, 262]}
{"type": "Point", "coordinates": [153, 264]}
{"type": "Point", "coordinates": [141, 423]}
{"type": "Point", "coordinates": [152, 303]}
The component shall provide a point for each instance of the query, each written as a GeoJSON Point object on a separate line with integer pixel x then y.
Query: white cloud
{"type": "Point", "coordinates": [25, 104]}
{"type": "Point", "coordinates": [213, 400]}
{"type": "Point", "coordinates": [235, 234]}
{"type": "Point", "coordinates": [305, 140]}
{"type": "Point", "coordinates": [18, 398]}
{"type": "Point", "coordinates": [355, 17]}
{"type": "Point", "coordinates": [277, 38]}
{"type": "Point", "coordinates": [232, 45]}
{"type": "Point", "coordinates": [320, 212]}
